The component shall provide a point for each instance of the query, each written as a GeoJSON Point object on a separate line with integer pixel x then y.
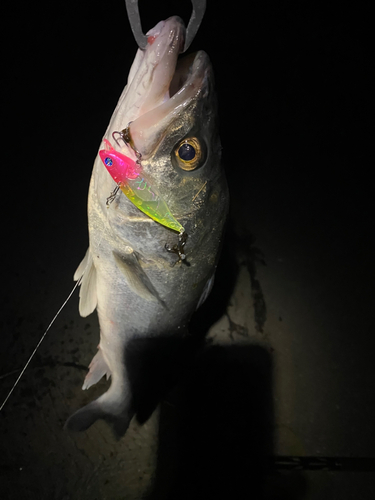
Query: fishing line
{"type": "Point", "coordinates": [40, 341]}
{"type": "Point", "coordinates": [79, 281]}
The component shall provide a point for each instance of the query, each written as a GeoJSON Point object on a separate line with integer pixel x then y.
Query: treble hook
{"type": "Point", "coordinates": [199, 8]}
{"type": "Point", "coordinates": [179, 248]}
{"type": "Point", "coordinates": [125, 136]}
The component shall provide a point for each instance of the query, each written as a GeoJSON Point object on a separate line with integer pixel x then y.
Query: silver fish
{"type": "Point", "coordinates": [128, 275]}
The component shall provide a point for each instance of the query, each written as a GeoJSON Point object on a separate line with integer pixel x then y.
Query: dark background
{"type": "Point", "coordinates": [296, 101]}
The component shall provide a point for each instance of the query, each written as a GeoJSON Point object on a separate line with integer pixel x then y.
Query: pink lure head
{"type": "Point", "coordinates": [118, 165]}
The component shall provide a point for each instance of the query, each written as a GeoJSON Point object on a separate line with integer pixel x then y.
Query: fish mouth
{"type": "Point", "coordinates": [165, 84]}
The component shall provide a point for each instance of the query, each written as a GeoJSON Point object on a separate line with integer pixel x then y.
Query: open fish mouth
{"type": "Point", "coordinates": [160, 85]}
{"type": "Point", "coordinates": [163, 100]}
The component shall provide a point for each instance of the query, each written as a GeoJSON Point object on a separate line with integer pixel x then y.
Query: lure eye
{"type": "Point", "coordinates": [108, 161]}
{"type": "Point", "coordinates": [188, 153]}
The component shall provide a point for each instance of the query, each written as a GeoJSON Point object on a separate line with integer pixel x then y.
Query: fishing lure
{"type": "Point", "coordinates": [132, 181]}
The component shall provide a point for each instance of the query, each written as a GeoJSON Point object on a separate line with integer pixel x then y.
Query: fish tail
{"type": "Point", "coordinates": [106, 407]}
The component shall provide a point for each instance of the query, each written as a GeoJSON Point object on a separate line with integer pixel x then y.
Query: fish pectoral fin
{"type": "Point", "coordinates": [87, 293]}
{"type": "Point", "coordinates": [136, 277]}
{"type": "Point", "coordinates": [206, 291]}
{"type": "Point", "coordinates": [97, 369]}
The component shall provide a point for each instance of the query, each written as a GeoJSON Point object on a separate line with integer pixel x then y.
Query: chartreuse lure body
{"type": "Point", "coordinates": [134, 184]}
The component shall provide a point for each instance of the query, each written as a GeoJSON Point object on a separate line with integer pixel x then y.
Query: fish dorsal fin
{"type": "Point", "coordinates": [136, 277]}
{"type": "Point", "coordinates": [87, 294]}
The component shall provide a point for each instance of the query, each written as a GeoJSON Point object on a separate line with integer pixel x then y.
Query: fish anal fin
{"type": "Point", "coordinates": [97, 369]}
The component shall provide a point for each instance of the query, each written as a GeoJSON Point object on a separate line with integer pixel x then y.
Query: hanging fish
{"type": "Point", "coordinates": [162, 152]}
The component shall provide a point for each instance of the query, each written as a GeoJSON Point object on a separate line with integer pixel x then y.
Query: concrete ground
{"type": "Point", "coordinates": [286, 368]}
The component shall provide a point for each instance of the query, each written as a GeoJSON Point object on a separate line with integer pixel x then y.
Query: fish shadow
{"type": "Point", "coordinates": [216, 431]}
{"type": "Point", "coordinates": [215, 428]}
{"type": "Point", "coordinates": [216, 418]}
{"type": "Point", "coordinates": [154, 366]}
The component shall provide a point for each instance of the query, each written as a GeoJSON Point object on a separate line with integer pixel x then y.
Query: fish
{"type": "Point", "coordinates": [157, 207]}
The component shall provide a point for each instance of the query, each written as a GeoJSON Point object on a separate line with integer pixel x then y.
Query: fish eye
{"type": "Point", "coordinates": [188, 153]}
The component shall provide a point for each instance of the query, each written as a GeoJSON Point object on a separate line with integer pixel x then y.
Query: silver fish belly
{"type": "Point", "coordinates": [135, 284]}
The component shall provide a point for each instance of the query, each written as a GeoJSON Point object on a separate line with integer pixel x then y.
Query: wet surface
{"type": "Point", "coordinates": [287, 364]}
